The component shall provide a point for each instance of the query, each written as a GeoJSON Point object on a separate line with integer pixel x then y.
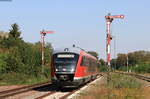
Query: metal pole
{"type": "Point", "coordinates": [108, 51]}
{"type": "Point", "coordinates": [43, 33]}
{"type": "Point", "coordinates": [127, 64]}
{"type": "Point", "coordinates": [115, 52]}
{"type": "Point", "coordinates": [108, 22]}
{"type": "Point", "coordinates": [109, 18]}
{"type": "Point", "coordinates": [108, 42]}
{"type": "Point", "coordinates": [42, 47]}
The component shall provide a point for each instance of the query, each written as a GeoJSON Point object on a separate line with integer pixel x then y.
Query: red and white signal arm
{"type": "Point", "coordinates": [44, 32]}
{"type": "Point", "coordinates": [115, 16]}
{"type": "Point", "coordinates": [122, 16]}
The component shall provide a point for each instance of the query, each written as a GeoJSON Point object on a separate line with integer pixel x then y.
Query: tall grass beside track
{"type": "Point", "coordinates": [14, 78]}
{"type": "Point", "coordinates": [120, 87]}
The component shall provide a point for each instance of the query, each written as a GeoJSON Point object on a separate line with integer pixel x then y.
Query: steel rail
{"type": "Point", "coordinates": [139, 76]}
{"type": "Point", "coordinates": [45, 95]}
{"type": "Point", "coordinates": [72, 92]}
{"type": "Point", "coordinates": [15, 91]}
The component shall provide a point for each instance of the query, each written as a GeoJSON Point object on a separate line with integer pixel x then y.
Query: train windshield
{"type": "Point", "coordinates": [65, 62]}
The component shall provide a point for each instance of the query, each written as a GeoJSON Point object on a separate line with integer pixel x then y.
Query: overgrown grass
{"type": "Point", "coordinates": [123, 87]}
{"type": "Point", "coordinates": [17, 78]}
{"type": "Point", "coordinates": [120, 87]}
{"type": "Point", "coordinates": [123, 81]}
{"type": "Point", "coordinates": [14, 78]}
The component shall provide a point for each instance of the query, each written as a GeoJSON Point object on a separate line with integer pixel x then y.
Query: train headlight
{"type": "Point", "coordinates": [72, 70]}
{"type": "Point", "coordinates": [56, 69]}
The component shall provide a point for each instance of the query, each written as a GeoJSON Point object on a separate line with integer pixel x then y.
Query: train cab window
{"type": "Point", "coordinates": [65, 60]}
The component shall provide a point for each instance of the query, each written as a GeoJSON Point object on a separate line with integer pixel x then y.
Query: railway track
{"type": "Point", "coordinates": [65, 93]}
{"type": "Point", "coordinates": [7, 93]}
{"type": "Point", "coordinates": [48, 90]}
{"type": "Point", "coordinates": [139, 76]}
{"type": "Point", "coordinates": [59, 94]}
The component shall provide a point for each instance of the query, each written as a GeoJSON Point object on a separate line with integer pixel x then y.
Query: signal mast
{"type": "Point", "coordinates": [43, 34]}
{"type": "Point", "coordinates": [109, 18]}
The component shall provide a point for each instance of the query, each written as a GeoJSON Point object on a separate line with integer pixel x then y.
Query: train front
{"type": "Point", "coordinates": [63, 69]}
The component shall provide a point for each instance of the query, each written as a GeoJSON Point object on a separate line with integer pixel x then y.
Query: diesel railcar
{"type": "Point", "coordinates": [72, 67]}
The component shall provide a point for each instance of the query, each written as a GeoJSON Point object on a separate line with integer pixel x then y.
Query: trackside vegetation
{"type": "Point", "coordinates": [20, 61]}
{"type": "Point", "coordinates": [120, 87]}
{"type": "Point", "coordinates": [138, 61]}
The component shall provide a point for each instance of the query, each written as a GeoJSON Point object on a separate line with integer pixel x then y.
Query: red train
{"type": "Point", "coordinates": [72, 67]}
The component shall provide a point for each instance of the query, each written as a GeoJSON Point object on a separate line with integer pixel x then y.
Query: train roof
{"type": "Point", "coordinates": [72, 50]}
{"type": "Point", "coordinates": [65, 50]}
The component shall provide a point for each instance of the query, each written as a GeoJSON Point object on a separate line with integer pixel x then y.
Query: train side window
{"type": "Point", "coordinates": [87, 62]}
{"type": "Point", "coordinates": [84, 61]}
{"type": "Point", "coordinates": [92, 66]}
{"type": "Point", "coordinates": [90, 62]}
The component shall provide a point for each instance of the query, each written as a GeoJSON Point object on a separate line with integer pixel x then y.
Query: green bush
{"type": "Point", "coordinates": [142, 68]}
{"type": "Point", "coordinates": [20, 61]}
{"type": "Point", "coordinates": [103, 68]}
{"type": "Point", "coordinates": [47, 72]}
{"type": "Point", "coordinates": [9, 62]}
{"type": "Point", "coordinates": [20, 78]}
{"type": "Point", "coordinates": [123, 68]}
{"type": "Point", "coordinates": [3, 63]}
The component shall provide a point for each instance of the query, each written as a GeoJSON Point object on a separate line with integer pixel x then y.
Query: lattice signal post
{"type": "Point", "coordinates": [109, 18]}
{"type": "Point", "coordinates": [43, 34]}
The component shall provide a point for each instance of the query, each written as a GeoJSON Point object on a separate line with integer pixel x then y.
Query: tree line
{"type": "Point", "coordinates": [22, 60]}
{"type": "Point", "coordinates": [18, 57]}
{"type": "Point", "coordinates": [137, 61]}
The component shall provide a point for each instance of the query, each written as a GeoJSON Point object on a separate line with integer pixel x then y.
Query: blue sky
{"type": "Point", "coordinates": [81, 22]}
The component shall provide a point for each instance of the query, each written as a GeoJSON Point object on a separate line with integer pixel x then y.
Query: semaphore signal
{"type": "Point", "coordinates": [43, 34]}
{"type": "Point", "coordinates": [109, 18]}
